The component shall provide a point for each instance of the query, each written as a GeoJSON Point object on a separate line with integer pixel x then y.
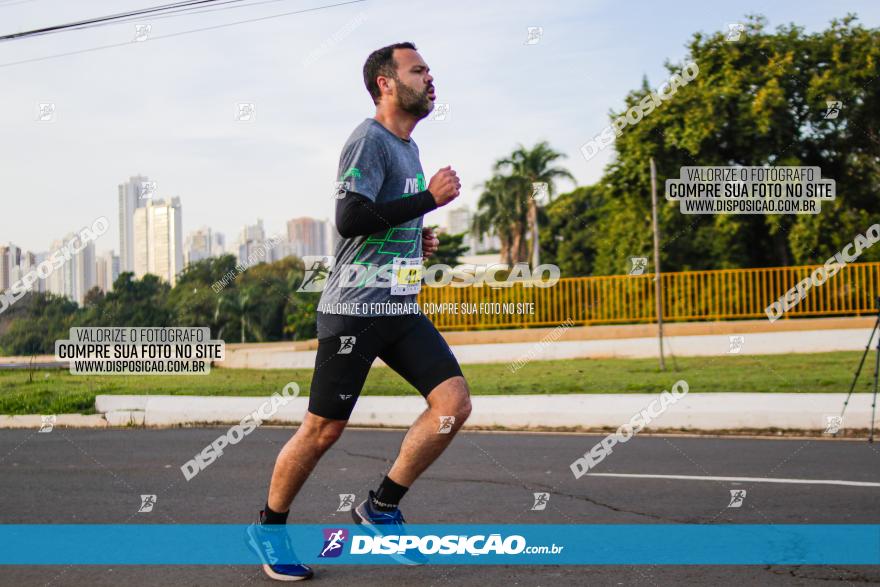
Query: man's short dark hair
{"type": "Point", "coordinates": [381, 62]}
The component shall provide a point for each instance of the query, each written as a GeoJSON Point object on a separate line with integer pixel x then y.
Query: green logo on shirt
{"type": "Point", "coordinates": [352, 172]}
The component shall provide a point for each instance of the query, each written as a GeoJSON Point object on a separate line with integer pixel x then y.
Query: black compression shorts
{"type": "Point", "coordinates": [347, 346]}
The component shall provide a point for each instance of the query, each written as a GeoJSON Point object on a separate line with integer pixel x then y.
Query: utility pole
{"type": "Point", "coordinates": [658, 287]}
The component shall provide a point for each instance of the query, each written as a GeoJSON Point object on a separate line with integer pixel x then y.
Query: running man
{"type": "Point", "coordinates": [381, 199]}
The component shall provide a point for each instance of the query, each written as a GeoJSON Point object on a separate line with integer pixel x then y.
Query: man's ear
{"type": "Point", "coordinates": [385, 84]}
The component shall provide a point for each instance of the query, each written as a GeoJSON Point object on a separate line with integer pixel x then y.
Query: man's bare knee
{"type": "Point", "coordinates": [322, 432]}
{"type": "Point", "coordinates": [452, 398]}
{"type": "Point", "coordinates": [463, 409]}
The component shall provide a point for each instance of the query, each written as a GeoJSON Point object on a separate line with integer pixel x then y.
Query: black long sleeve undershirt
{"type": "Point", "coordinates": [357, 215]}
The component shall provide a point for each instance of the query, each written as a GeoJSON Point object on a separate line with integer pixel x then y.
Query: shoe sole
{"type": "Point", "coordinates": [279, 577]}
{"type": "Point", "coordinates": [252, 543]}
{"type": "Point", "coordinates": [361, 520]}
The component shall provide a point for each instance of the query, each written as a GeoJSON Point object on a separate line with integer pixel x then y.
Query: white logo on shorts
{"type": "Point", "coordinates": [346, 345]}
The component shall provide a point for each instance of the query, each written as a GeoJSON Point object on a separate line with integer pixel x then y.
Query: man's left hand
{"type": "Point", "coordinates": [430, 243]}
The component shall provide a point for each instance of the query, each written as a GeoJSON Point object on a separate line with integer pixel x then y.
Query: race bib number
{"type": "Point", "coordinates": [406, 276]}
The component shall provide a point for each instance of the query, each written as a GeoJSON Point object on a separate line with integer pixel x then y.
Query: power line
{"type": "Point", "coordinates": [170, 35]}
{"type": "Point", "coordinates": [104, 19]}
{"type": "Point", "coordinates": [13, 2]}
{"type": "Point", "coordinates": [179, 12]}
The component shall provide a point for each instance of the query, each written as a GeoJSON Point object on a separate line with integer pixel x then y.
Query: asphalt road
{"type": "Point", "coordinates": [97, 476]}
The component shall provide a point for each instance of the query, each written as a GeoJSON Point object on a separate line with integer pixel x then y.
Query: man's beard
{"type": "Point", "coordinates": [416, 103]}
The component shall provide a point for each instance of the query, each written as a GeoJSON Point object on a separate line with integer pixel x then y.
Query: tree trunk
{"type": "Point", "coordinates": [506, 252]}
{"type": "Point", "coordinates": [515, 247]}
{"type": "Point", "coordinates": [520, 244]}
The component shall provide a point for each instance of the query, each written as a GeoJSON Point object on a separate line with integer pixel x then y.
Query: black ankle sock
{"type": "Point", "coordinates": [272, 517]}
{"type": "Point", "coordinates": [388, 496]}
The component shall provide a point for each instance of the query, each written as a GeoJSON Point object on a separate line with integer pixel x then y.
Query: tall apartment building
{"type": "Point", "coordinates": [251, 238]}
{"type": "Point", "coordinates": [131, 197]}
{"type": "Point", "coordinates": [106, 270]}
{"type": "Point", "coordinates": [74, 278]}
{"type": "Point", "coordinates": [8, 260]}
{"type": "Point", "coordinates": [307, 236]}
{"type": "Point", "coordinates": [199, 245]}
{"type": "Point", "coordinates": [218, 243]}
{"type": "Point", "coordinates": [101, 273]}
{"type": "Point", "coordinates": [158, 239]}
{"type": "Point", "coordinates": [28, 262]}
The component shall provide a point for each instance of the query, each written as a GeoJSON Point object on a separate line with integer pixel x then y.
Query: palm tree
{"type": "Point", "coordinates": [236, 307]}
{"type": "Point", "coordinates": [533, 166]}
{"type": "Point", "coordinates": [501, 210]}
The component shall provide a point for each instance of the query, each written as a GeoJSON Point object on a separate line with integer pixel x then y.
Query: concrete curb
{"type": "Point", "coordinates": [695, 411]}
{"type": "Point", "coordinates": [61, 421]}
{"type": "Point", "coordinates": [699, 412]}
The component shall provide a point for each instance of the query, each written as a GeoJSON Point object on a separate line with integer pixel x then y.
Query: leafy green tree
{"type": "Point", "coordinates": [760, 101]}
{"type": "Point", "coordinates": [568, 230]}
{"type": "Point", "coordinates": [133, 302]}
{"type": "Point", "coordinates": [257, 303]}
{"type": "Point", "coordinates": [273, 282]}
{"type": "Point", "coordinates": [48, 318]}
{"type": "Point", "coordinates": [93, 297]}
{"type": "Point", "coordinates": [300, 308]}
{"type": "Point", "coordinates": [195, 296]}
{"type": "Point", "coordinates": [238, 311]}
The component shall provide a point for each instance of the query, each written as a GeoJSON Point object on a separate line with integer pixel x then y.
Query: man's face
{"type": "Point", "coordinates": [414, 84]}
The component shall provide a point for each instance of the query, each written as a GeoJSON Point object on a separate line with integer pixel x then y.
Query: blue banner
{"type": "Point", "coordinates": [486, 544]}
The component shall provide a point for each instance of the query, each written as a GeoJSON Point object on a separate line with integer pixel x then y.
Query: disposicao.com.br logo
{"type": "Point", "coordinates": [449, 544]}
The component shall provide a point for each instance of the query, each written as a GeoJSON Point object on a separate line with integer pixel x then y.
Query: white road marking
{"type": "Point", "coordinates": [741, 479]}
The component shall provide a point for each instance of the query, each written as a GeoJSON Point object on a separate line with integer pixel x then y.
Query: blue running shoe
{"type": "Point", "coordinates": [385, 523]}
{"type": "Point", "coordinates": [272, 544]}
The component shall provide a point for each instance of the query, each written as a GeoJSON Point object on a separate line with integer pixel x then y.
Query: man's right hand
{"type": "Point", "coordinates": [444, 186]}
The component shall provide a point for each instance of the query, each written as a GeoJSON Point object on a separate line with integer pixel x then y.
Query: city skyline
{"type": "Point", "coordinates": [151, 240]}
{"type": "Point", "coordinates": [130, 199]}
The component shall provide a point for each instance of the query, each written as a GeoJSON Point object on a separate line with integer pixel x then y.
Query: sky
{"type": "Point", "coordinates": [165, 107]}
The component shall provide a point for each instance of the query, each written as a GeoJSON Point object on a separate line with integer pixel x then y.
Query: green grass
{"type": "Point", "coordinates": [58, 392]}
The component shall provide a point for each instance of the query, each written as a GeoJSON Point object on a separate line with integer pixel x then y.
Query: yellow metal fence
{"type": "Point", "coordinates": [725, 294]}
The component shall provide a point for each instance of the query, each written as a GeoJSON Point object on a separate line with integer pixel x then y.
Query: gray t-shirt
{"type": "Point", "coordinates": [381, 166]}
